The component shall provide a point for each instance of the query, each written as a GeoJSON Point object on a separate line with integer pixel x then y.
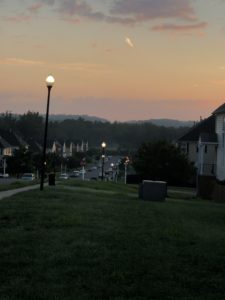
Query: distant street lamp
{"type": "Point", "coordinates": [49, 82]}
{"type": "Point", "coordinates": [103, 145]}
{"type": "Point", "coordinates": [125, 169]}
{"type": "Point", "coordinates": [112, 170]}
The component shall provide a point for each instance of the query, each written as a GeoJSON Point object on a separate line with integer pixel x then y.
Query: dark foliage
{"type": "Point", "coordinates": [21, 162]}
{"type": "Point", "coordinates": [123, 137]}
{"type": "Point", "coordinates": [163, 161]}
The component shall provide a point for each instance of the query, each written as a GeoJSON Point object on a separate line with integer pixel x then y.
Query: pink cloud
{"type": "Point", "coordinates": [143, 10]}
{"type": "Point", "coordinates": [34, 8]}
{"type": "Point", "coordinates": [124, 12]}
{"type": "Point", "coordinates": [18, 18]}
{"type": "Point", "coordinates": [71, 19]}
{"type": "Point", "coordinates": [130, 12]}
{"type": "Point", "coordinates": [180, 28]}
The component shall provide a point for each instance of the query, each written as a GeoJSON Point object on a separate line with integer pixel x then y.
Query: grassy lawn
{"type": "Point", "coordinates": [93, 240]}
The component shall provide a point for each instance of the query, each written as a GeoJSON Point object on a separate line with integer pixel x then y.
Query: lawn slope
{"type": "Point", "coordinates": [98, 241]}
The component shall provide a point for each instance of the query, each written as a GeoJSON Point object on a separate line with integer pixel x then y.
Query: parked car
{"type": "Point", "coordinates": [28, 176]}
{"type": "Point", "coordinates": [75, 174]}
{"type": "Point", "coordinates": [6, 175]}
{"type": "Point", "coordinates": [63, 176]}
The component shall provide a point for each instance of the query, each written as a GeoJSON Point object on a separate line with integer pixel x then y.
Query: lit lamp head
{"type": "Point", "coordinates": [103, 145]}
{"type": "Point", "coordinates": [50, 81]}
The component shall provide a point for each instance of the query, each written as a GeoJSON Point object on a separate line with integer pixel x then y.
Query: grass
{"type": "Point", "coordinates": [72, 242]}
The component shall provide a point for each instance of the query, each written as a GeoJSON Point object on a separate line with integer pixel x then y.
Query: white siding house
{"type": "Point", "coordinates": [220, 131]}
{"type": "Point", "coordinates": [208, 138]}
{"type": "Point", "coordinates": [200, 146]}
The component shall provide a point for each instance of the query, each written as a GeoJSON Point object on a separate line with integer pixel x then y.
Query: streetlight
{"type": "Point", "coordinates": [125, 169]}
{"type": "Point", "coordinates": [49, 82]}
{"type": "Point", "coordinates": [103, 158]}
{"type": "Point", "coordinates": [112, 170]}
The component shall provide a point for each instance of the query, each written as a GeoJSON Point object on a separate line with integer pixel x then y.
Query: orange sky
{"type": "Point", "coordinates": [120, 60]}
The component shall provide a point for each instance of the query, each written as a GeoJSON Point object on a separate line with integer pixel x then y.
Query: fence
{"type": "Point", "coordinates": [209, 188]}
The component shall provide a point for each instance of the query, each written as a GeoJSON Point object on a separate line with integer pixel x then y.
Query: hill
{"type": "Point", "coordinates": [158, 122]}
{"type": "Point", "coordinates": [166, 122]}
{"type": "Point", "coordinates": [62, 117]}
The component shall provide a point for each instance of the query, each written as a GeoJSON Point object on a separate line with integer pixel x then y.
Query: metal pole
{"type": "Point", "coordinates": [103, 162]}
{"type": "Point", "coordinates": [45, 142]}
{"type": "Point", "coordinates": [103, 158]}
{"type": "Point", "coordinates": [83, 173]}
{"type": "Point", "coordinates": [4, 165]}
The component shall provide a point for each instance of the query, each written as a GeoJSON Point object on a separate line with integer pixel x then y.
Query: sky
{"type": "Point", "coordinates": [116, 59]}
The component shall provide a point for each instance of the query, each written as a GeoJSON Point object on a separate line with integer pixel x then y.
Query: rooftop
{"type": "Point", "coordinates": [220, 110]}
{"type": "Point", "coordinates": [205, 128]}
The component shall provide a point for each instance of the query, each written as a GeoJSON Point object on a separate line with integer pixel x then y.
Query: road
{"type": "Point", "coordinates": [94, 172]}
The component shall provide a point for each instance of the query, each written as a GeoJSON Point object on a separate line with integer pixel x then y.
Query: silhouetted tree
{"type": "Point", "coordinates": [31, 125]}
{"type": "Point", "coordinates": [163, 161]}
{"type": "Point", "coordinates": [7, 121]}
{"type": "Point", "coordinates": [20, 162]}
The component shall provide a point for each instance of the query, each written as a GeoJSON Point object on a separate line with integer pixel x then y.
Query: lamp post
{"type": "Point", "coordinates": [49, 82]}
{"type": "Point", "coordinates": [103, 145]}
{"type": "Point", "coordinates": [125, 169]}
{"type": "Point", "coordinates": [112, 170]}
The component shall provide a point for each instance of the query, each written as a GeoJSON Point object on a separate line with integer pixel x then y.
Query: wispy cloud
{"type": "Point", "coordinates": [20, 62]}
{"type": "Point", "coordinates": [18, 18]}
{"type": "Point", "coordinates": [124, 12]}
{"type": "Point", "coordinates": [79, 8]}
{"type": "Point", "coordinates": [83, 67]}
{"type": "Point", "coordinates": [79, 66]}
{"type": "Point", "coordinates": [180, 28]}
{"type": "Point", "coordinates": [143, 10]}
{"type": "Point", "coordinates": [34, 8]}
{"type": "Point", "coordinates": [127, 12]}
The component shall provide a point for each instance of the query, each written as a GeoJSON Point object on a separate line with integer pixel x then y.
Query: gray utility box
{"type": "Point", "coordinates": [153, 190]}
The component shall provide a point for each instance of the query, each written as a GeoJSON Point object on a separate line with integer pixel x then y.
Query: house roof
{"type": "Point", "coordinates": [208, 137]}
{"type": "Point", "coordinates": [34, 145]}
{"type": "Point", "coordinates": [220, 110]}
{"type": "Point", "coordinates": [205, 128]}
{"type": "Point", "coordinates": [10, 138]}
{"type": "Point", "coordinates": [4, 143]}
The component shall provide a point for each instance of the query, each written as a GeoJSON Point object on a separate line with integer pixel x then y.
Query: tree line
{"type": "Point", "coordinates": [118, 136]}
{"type": "Point", "coordinates": [149, 146]}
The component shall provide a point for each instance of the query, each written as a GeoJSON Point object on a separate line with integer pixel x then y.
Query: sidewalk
{"type": "Point", "coordinates": [5, 194]}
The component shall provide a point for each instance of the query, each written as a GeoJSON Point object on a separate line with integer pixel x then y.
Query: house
{"type": "Point", "coordinates": [200, 146]}
{"type": "Point", "coordinates": [10, 141]}
{"type": "Point", "coordinates": [204, 145]}
{"type": "Point", "coordinates": [219, 114]}
{"type": "Point", "coordinates": [68, 149]}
